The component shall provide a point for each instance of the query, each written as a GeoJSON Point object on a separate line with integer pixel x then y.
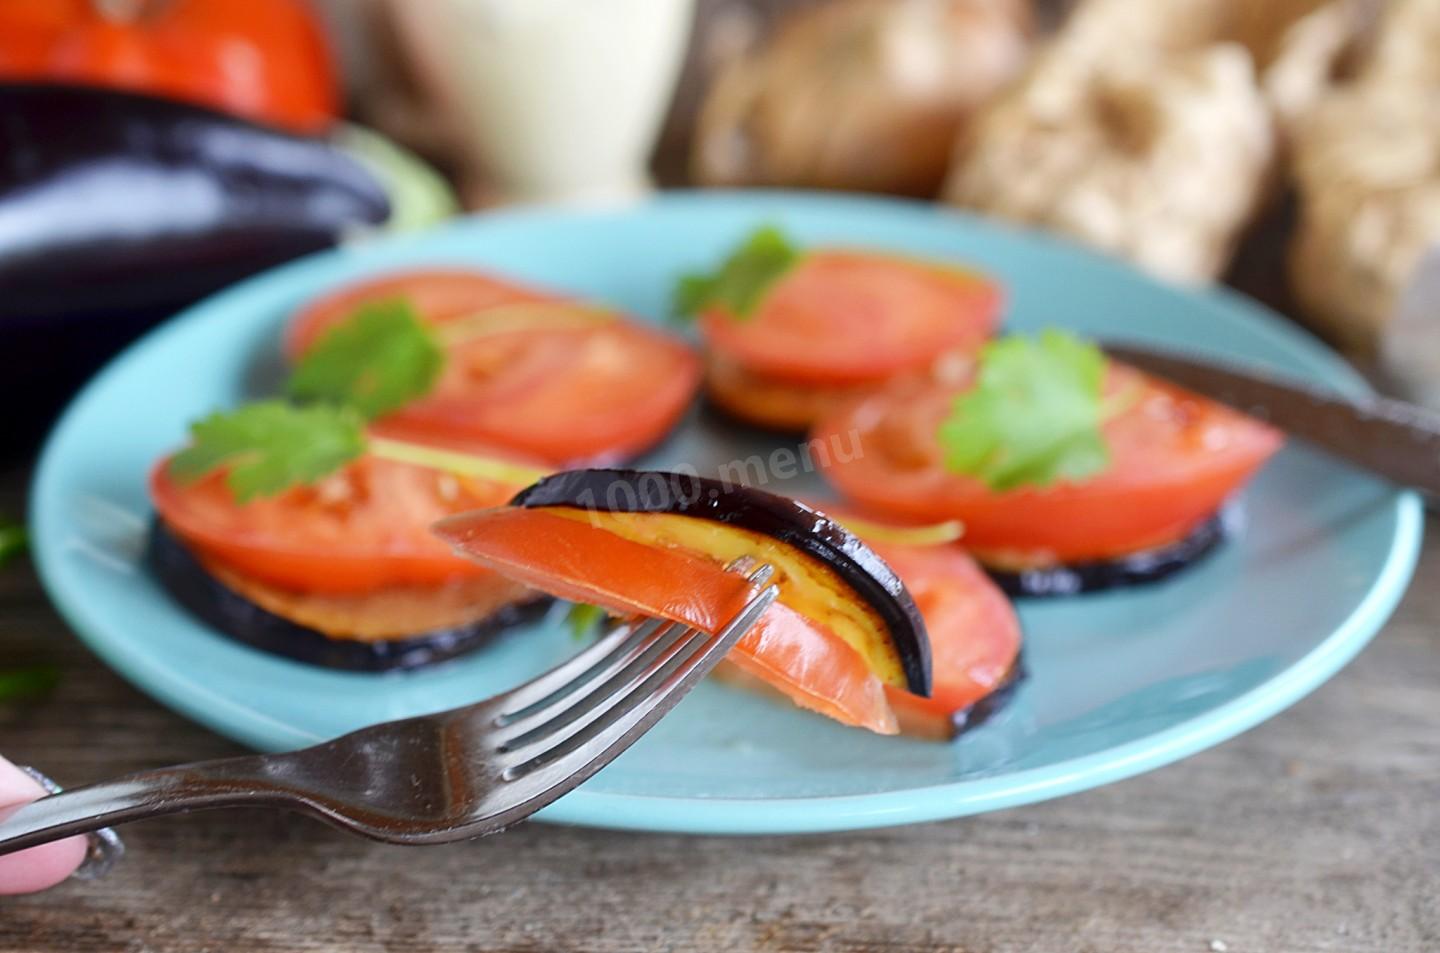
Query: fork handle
{"type": "Point", "coordinates": [229, 782]}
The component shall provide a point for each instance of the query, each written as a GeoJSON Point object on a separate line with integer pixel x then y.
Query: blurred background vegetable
{"type": "Point", "coordinates": [419, 195]}
{"type": "Point", "coordinates": [115, 203]}
{"type": "Point", "coordinates": [859, 94]}
{"type": "Point", "coordinates": [117, 209]}
{"type": "Point", "coordinates": [266, 60]}
{"type": "Point", "coordinates": [1366, 162]}
{"type": "Point", "coordinates": [1153, 147]}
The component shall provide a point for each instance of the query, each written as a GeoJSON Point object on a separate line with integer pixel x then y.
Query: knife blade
{"type": "Point", "coordinates": [1410, 341]}
{"type": "Point", "coordinates": [1394, 439]}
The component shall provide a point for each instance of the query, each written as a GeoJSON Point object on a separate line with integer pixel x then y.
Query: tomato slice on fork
{"type": "Point", "coordinates": [581, 556]}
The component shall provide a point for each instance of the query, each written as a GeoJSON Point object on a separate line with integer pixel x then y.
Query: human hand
{"type": "Point", "coordinates": [38, 867]}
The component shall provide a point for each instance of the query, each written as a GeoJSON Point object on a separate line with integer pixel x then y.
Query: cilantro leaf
{"type": "Point", "coordinates": [377, 360]}
{"type": "Point", "coordinates": [1034, 415]}
{"type": "Point", "coordinates": [740, 284]}
{"type": "Point", "coordinates": [271, 446]}
{"type": "Point", "coordinates": [28, 682]}
{"type": "Point", "coordinates": [583, 618]}
{"type": "Point", "coordinates": [13, 540]}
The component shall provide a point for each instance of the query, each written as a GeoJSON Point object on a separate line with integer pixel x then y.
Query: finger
{"type": "Point", "coordinates": [38, 867]}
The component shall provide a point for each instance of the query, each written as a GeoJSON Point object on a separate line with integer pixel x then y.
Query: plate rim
{"type": "Point", "coordinates": [810, 814]}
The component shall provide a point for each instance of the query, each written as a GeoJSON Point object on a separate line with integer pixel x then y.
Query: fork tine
{"type": "Point", "coordinates": [540, 723]}
{"type": "Point", "coordinates": [644, 703]}
{"type": "Point", "coordinates": [592, 668]}
{"type": "Point", "coordinates": [620, 642]}
{"type": "Point", "coordinates": [693, 642]}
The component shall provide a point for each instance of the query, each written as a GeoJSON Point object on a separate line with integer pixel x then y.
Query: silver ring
{"type": "Point", "coordinates": [104, 848]}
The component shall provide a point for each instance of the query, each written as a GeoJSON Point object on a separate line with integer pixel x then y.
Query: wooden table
{"type": "Point", "coordinates": [1319, 830]}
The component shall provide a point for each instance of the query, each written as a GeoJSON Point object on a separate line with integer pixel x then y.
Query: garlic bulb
{"type": "Point", "coordinates": [1407, 51]}
{"type": "Point", "coordinates": [1370, 201]}
{"type": "Point", "coordinates": [1156, 156]}
{"type": "Point", "coordinates": [1366, 159]}
{"type": "Point", "coordinates": [1312, 54]}
{"type": "Point", "coordinates": [859, 94]}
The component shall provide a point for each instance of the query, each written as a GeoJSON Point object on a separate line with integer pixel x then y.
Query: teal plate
{"type": "Point", "coordinates": [1120, 683]}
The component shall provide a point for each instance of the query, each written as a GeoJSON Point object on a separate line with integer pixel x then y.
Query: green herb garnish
{"type": "Point", "coordinates": [741, 282]}
{"type": "Point", "coordinates": [28, 682]}
{"type": "Point", "coordinates": [376, 361]}
{"type": "Point", "coordinates": [1034, 416]}
{"type": "Point", "coordinates": [14, 540]}
{"type": "Point", "coordinates": [583, 619]}
{"type": "Point", "coordinates": [271, 446]}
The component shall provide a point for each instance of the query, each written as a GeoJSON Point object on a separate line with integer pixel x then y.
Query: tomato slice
{"type": "Point", "coordinates": [437, 294]}
{"type": "Point", "coordinates": [557, 380]}
{"type": "Point", "coordinates": [363, 528]}
{"type": "Point", "coordinates": [843, 317]}
{"type": "Point", "coordinates": [974, 634]}
{"type": "Point", "coordinates": [571, 556]}
{"type": "Point", "coordinates": [1175, 457]}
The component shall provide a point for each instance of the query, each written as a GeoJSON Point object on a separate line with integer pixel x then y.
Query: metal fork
{"type": "Point", "coordinates": [435, 778]}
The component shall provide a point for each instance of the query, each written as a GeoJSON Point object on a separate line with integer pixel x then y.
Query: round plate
{"type": "Point", "coordinates": [1120, 682]}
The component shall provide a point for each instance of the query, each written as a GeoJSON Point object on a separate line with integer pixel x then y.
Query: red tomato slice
{"type": "Point", "coordinates": [577, 386]}
{"type": "Point", "coordinates": [437, 294]}
{"type": "Point", "coordinates": [573, 559]}
{"type": "Point", "coordinates": [363, 528]}
{"type": "Point", "coordinates": [1175, 457]}
{"type": "Point", "coordinates": [843, 317]}
{"type": "Point", "coordinates": [974, 634]}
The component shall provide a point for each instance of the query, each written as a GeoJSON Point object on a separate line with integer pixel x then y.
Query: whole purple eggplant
{"type": "Point", "coordinates": [114, 201]}
{"type": "Point", "coordinates": [117, 209]}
